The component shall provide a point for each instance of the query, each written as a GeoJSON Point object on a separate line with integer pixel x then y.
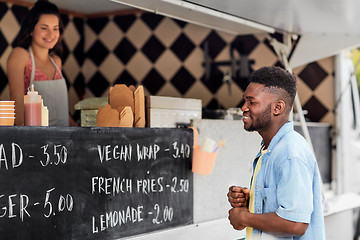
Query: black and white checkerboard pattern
{"type": "Point", "coordinates": [167, 57]}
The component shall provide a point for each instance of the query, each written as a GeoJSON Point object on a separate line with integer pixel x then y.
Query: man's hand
{"type": "Point", "coordinates": [238, 196]}
{"type": "Point", "coordinates": [237, 217]}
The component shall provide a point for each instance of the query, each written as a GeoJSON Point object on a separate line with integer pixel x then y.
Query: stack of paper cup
{"type": "Point", "coordinates": [7, 113]}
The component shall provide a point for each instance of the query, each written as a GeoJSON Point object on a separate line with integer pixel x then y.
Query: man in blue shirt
{"type": "Point", "coordinates": [284, 200]}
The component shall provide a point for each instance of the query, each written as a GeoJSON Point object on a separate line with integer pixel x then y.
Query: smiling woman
{"type": "Point", "coordinates": [46, 32]}
{"type": "Point", "coordinates": [35, 61]}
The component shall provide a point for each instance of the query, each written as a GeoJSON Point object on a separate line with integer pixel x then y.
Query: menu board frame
{"type": "Point", "coordinates": [94, 183]}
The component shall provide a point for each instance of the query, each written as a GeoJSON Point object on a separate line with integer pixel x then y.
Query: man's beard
{"type": "Point", "coordinates": [262, 122]}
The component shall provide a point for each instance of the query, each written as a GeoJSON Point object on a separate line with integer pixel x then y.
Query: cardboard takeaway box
{"type": "Point", "coordinates": [171, 111]}
{"type": "Point", "coordinates": [160, 111]}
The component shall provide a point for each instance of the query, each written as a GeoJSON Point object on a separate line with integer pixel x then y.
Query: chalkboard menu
{"type": "Point", "coordinates": [93, 183]}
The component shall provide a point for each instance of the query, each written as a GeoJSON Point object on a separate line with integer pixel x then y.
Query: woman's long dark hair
{"type": "Point", "coordinates": [24, 38]}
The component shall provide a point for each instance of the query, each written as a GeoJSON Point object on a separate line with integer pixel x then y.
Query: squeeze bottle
{"type": "Point", "coordinates": [32, 108]}
{"type": "Point", "coordinates": [44, 114]}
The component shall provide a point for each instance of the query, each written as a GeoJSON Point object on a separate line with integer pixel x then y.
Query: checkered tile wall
{"type": "Point", "coordinates": [168, 58]}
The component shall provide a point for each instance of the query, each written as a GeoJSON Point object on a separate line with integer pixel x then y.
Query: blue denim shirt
{"type": "Point", "coordinates": [289, 184]}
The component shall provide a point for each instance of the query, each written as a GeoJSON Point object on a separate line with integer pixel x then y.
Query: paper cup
{"type": "Point", "coordinates": [7, 115]}
{"type": "Point", "coordinates": [203, 162]}
{"type": "Point", "coordinates": [7, 110]}
{"type": "Point", "coordinates": [7, 106]}
{"type": "Point", "coordinates": [7, 121]}
{"type": "Point", "coordinates": [7, 102]}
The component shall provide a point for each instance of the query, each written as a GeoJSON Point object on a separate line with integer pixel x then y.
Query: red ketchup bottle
{"type": "Point", "coordinates": [32, 108]}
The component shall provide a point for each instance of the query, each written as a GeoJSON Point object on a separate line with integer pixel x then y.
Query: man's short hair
{"type": "Point", "coordinates": [274, 79]}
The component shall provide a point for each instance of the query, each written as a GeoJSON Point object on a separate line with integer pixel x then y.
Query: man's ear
{"type": "Point", "coordinates": [279, 107]}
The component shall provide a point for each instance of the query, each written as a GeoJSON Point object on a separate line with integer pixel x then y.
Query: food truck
{"type": "Point", "coordinates": [318, 29]}
{"type": "Point", "coordinates": [299, 32]}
